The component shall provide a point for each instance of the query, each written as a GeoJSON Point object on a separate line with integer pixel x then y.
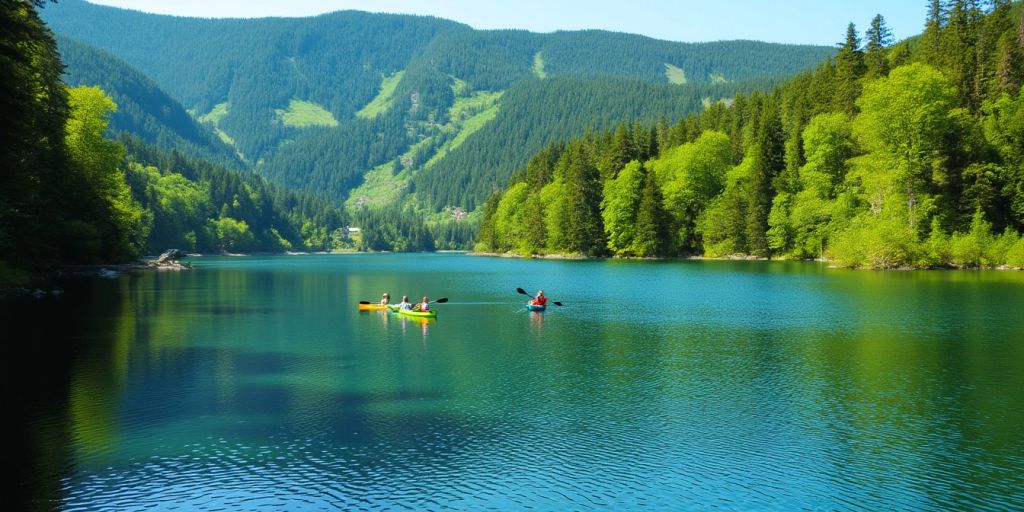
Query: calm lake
{"type": "Point", "coordinates": [254, 382]}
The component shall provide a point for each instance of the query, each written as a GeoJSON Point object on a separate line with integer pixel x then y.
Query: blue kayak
{"type": "Point", "coordinates": [534, 307]}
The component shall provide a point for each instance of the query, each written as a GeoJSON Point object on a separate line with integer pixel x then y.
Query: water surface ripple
{"type": "Point", "coordinates": [254, 383]}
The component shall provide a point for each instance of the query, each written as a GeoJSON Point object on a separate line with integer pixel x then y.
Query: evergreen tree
{"type": "Point", "coordinates": [651, 231]}
{"type": "Point", "coordinates": [1003, 55]}
{"type": "Point", "coordinates": [584, 229]}
{"type": "Point", "coordinates": [723, 224]}
{"type": "Point", "coordinates": [849, 70]}
{"type": "Point", "coordinates": [932, 38]}
{"type": "Point", "coordinates": [36, 189]}
{"type": "Point", "coordinates": [488, 237]}
{"type": "Point", "coordinates": [769, 160]}
{"type": "Point", "coordinates": [960, 42]}
{"type": "Point", "coordinates": [879, 37]}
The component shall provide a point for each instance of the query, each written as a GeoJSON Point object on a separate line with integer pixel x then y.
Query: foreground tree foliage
{"type": "Point", "coordinates": [62, 197]}
{"type": "Point", "coordinates": [886, 156]}
{"type": "Point", "coordinates": [70, 195]}
{"type": "Point", "coordinates": [122, 227]}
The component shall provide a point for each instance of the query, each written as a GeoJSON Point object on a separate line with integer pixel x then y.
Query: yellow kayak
{"type": "Point", "coordinates": [374, 307]}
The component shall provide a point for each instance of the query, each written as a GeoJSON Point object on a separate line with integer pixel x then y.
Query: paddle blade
{"type": "Point", "coordinates": [365, 302]}
{"type": "Point", "coordinates": [442, 299]}
{"type": "Point", "coordinates": [557, 303]}
{"type": "Point", "coordinates": [522, 291]}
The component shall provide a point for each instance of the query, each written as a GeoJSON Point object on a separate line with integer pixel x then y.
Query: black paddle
{"type": "Point", "coordinates": [438, 301]}
{"type": "Point", "coordinates": [522, 291]}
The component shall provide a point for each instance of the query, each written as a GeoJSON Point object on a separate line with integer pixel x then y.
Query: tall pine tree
{"type": "Point", "coordinates": [849, 69]}
{"type": "Point", "coordinates": [879, 37]}
{"type": "Point", "coordinates": [584, 229]}
{"type": "Point", "coordinates": [769, 161]}
{"type": "Point", "coordinates": [651, 231]}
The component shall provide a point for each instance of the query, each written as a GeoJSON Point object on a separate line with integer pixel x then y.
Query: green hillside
{"type": "Point", "coordinates": [385, 88]}
{"type": "Point", "coordinates": [535, 113]}
{"type": "Point", "coordinates": [305, 113]}
{"type": "Point", "coordinates": [143, 108]}
{"type": "Point", "coordinates": [384, 99]}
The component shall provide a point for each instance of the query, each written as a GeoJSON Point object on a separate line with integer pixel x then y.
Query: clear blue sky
{"type": "Point", "coordinates": [784, 21]}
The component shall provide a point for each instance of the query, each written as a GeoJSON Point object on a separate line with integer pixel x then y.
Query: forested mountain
{"type": "Point", "coordinates": [69, 194]}
{"type": "Point", "coordinates": [886, 156]}
{"type": "Point", "coordinates": [560, 105]}
{"type": "Point", "coordinates": [397, 105]}
{"type": "Point", "coordinates": [198, 206]}
{"type": "Point", "coordinates": [143, 109]}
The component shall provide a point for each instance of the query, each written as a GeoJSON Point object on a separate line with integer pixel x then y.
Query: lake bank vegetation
{"type": "Point", "coordinates": [71, 195]}
{"type": "Point", "coordinates": [886, 156]}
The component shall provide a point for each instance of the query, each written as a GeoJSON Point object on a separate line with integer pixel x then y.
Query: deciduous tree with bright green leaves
{"type": "Point", "coordinates": [904, 120]}
{"type": "Point", "coordinates": [909, 155]}
{"type": "Point", "coordinates": [619, 208]}
{"type": "Point", "coordinates": [122, 230]}
{"type": "Point", "coordinates": [691, 175]}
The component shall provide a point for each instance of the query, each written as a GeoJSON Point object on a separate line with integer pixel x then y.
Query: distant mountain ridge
{"type": "Point", "coordinates": [143, 108]}
{"type": "Point", "coordinates": [433, 97]}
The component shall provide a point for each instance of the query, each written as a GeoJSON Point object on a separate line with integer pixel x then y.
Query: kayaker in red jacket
{"type": "Point", "coordinates": [540, 299]}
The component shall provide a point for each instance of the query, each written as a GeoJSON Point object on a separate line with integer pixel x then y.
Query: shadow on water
{"type": "Point", "coordinates": [43, 341]}
{"type": "Point", "coordinates": [104, 380]}
{"type": "Point", "coordinates": [751, 385]}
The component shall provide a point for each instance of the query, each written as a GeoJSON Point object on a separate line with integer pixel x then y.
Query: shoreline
{"type": "Point", "coordinates": [580, 257]}
{"type": "Point", "coordinates": [736, 257]}
{"type": "Point", "coordinates": [49, 284]}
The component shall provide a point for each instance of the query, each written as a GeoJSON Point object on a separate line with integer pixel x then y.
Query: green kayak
{"type": "Point", "coordinates": [417, 314]}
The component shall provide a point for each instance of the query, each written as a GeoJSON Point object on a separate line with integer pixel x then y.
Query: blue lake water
{"type": "Point", "coordinates": [254, 383]}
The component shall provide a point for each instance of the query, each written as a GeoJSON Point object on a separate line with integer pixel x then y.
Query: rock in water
{"type": "Point", "coordinates": [171, 255]}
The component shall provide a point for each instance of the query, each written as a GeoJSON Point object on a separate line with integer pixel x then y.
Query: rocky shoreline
{"type": "Point", "coordinates": [50, 286]}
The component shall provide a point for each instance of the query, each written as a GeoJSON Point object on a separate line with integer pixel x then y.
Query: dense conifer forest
{"type": "Point", "coordinates": [315, 104]}
{"type": "Point", "coordinates": [887, 155]}
{"type": "Point", "coordinates": [143, 108]}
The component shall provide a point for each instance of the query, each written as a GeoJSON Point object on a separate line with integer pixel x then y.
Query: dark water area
{"type": "Point", "coordinates": [254, 383]}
